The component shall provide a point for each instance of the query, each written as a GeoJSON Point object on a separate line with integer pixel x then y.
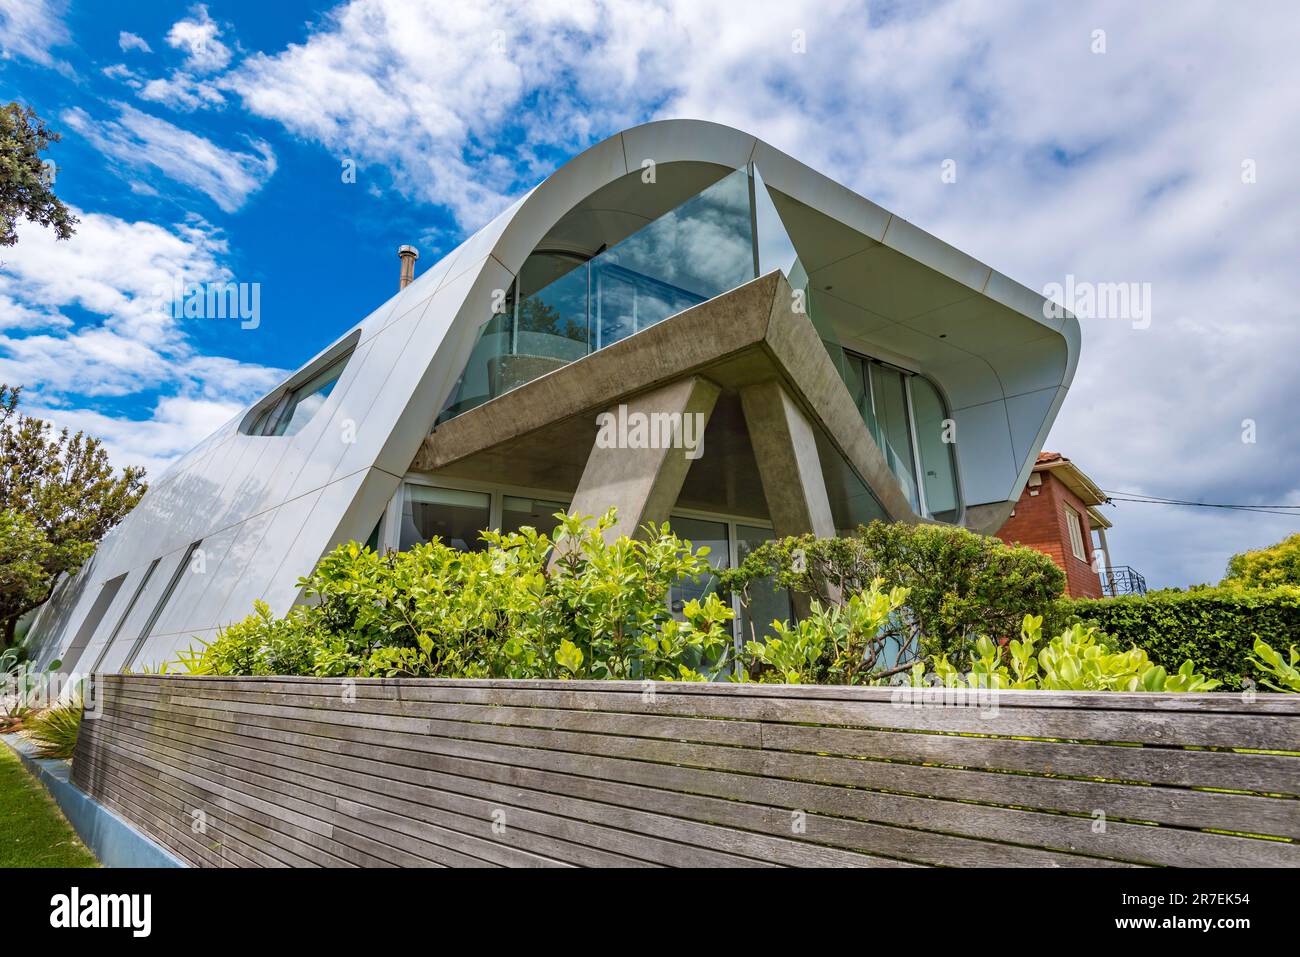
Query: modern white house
{"type": "Point", "coordinates": [825, 361]}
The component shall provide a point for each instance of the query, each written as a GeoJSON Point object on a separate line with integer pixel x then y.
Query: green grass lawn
{"type": "Point", "coordinates": [33, 831]}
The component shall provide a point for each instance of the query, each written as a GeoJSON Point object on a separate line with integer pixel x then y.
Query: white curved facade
{"type": "Point", "coordinates": [266, 507]}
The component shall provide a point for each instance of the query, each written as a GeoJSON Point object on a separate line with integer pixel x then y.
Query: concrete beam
{"type": "Point", "coordinates": [785, 447]}
{"type": "Point", "coordinates": [641, 481]}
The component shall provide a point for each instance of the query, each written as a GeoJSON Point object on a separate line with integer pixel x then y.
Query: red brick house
{"type": "Point", "coordinates": [1057, 515]}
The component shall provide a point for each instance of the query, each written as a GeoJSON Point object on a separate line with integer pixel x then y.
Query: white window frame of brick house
{"type": "Point", "coordinates": [1075, 525]}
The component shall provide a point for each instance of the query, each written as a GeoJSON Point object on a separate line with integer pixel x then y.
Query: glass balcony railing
{"type": "Point", "coordinates": [565, 306]}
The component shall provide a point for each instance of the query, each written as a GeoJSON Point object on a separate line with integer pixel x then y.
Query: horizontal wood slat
{"type": "Point", "coordinates": [1003, 713]}
{"type": "Point", "coordinates": [406, 772]}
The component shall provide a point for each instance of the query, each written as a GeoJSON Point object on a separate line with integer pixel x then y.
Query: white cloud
{"type": "Point", "coordinates": [16, 315]}
{"type": "Point", "coordinates": [130, 41]}
{"type": "Point", "coordinates": [197, 84]}
{"type": "Point", "coordinates": [182, 92]}
{"type": "Point", "coordinates": [112, 270]}
{"type": "Point", "coordinates": [138, 140]}
{"type": "Point", "coordinates": [434, 92]}
{"type": "Point", "coordinates": [177, 424]}
{"type": "Point", "coordinates": [198, 36]}
{"type": "Point", "coordinates": [123, 74]}
{"type": "Point", "coordinates": [31, 28]}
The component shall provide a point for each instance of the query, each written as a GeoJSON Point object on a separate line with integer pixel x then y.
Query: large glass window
{"type": "Point", "coordinates": [552, 316]}
{"type": "Point", "coordinates": [1075, 526]}
{"type": "Point", "coordinates": [297, 406]}
{"type": "Point", "coordinates": [700, 532]}
{"type": "Point", "coordinates": [538, 513]}
{"type": "Point", "coordinates": [454, 516]}
{"type": "Point", "coordinates": [481, 378]}
{"type": "Point", "coordinates": [767, 603]}
{"type": "Point", "coordinates": [907, 418]}
{"type": "Point", "coordinates": [891, 427]}
{"type": "Point", "coordinates": [934, 446]}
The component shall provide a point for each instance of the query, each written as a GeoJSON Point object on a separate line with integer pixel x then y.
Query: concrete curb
{"type": "Point", "coordinates": [111, 839]}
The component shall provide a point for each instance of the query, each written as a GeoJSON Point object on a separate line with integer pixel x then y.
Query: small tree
{"type": "Point", "coordinates": [24, 552]}
{"type": "Point", "coordinates": [58, 497]}
{"type": "Point", "coordinates": [1266, 567]}
{"type": "Point", "coordinates": [25, 178]}
{"type": "Point", "coordinates": [960, 585]}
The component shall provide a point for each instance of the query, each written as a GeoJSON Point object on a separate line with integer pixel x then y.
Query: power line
{"type": "Point", "coordinates": [1140, 499]}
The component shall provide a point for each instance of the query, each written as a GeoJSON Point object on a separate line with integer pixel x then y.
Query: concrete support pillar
{"type": "Point", "coordinates": [786, 449]}
{"type": "Point", "coordinates": [629, 466]}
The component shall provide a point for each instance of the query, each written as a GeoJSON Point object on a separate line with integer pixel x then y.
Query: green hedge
{"type": "Point", "coordinates": [1215, 627]}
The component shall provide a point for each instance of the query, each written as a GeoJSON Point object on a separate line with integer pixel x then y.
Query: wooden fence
{"type": "Point", "coordinates": [300, 771]}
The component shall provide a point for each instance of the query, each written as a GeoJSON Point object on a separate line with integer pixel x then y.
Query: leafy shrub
{"type": "Point", "coordinates": [261, 644]}
{"type": "Point", "coordinates": [20, 683]}
{"type": "Point", "coordinates": [838, 644]}
{"type": "Point", "coordinates": [1215, 628]}
{"type": "Point", "coordinates": [600, 611]}
{"type": "Point", "coordinates": [1072, 661]}
{"type": "Point", "coordinates": [1283, 673]}
{"type": "Point", "coordinates": [1266, 568]}
{"type": "Point", "coordinates": [55, 730]}
{"type": "Point", "coordinates": [959, 584]}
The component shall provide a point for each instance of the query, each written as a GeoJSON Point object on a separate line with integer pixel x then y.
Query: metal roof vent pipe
{"type": "Point", "coordinates": [408, 255]}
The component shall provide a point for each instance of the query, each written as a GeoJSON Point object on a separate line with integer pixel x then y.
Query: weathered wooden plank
{"type": "Point", "coordinates": [226, 844]}
{"type": "Point", "coordinates": [380, 799]}
{"type": "Point", "coordinates": [480, 820]}
{"type": "Point", "coordinates": [252, 829]}
{"type": "Point", "coordinates": [1180, 767]}
{"type": "Point", "coordinates": [251, 832]}
{"type": "Point", "coordinates": [1259, 703]}
{"type": "Point", "coordinates": [223, 846]}
{"type": "Point", "coordinates": [1155, 727]}
{"type": "Point", "coordinates": [293, 802]}
{"type": "Point", "coordinates": [128, 798]}
{"type": "Point", "coordinates": [704, 730]}
{"type": "Point", "coordinates": [1175, 806]}
{"type": "Point", "coordinates": [379, 803]}
{"type": "Point", "coordinates": [279, 807]}
{"type": "Point", "coordinates": [1120, 841]}
{"type": "Point", "coordinates": [521, 805]}
{"type": "Point", "coordinates": [151, 804]}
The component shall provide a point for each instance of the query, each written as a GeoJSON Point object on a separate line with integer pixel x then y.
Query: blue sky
{"type": "Point", "coordinates": [210, 140]}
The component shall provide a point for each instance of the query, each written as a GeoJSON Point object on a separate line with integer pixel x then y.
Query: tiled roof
{"type": "Point", "coordinates": [1075, 480]}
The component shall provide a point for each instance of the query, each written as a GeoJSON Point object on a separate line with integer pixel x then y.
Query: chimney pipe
{"type": "Point", "coordinates": [408, 255]}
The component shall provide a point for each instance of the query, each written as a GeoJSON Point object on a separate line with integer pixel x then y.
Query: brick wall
{"type": "Point", "coordinates": [1039, 522]}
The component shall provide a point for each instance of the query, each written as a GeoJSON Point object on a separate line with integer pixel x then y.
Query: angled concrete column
{"type": "Point", "coordinates": [635, 472]}
{"type": "Point", "coordinates": [786, 449]}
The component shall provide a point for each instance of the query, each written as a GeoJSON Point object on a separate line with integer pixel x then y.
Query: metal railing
{"type": "Point", "coordinates": [1122, 580]}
